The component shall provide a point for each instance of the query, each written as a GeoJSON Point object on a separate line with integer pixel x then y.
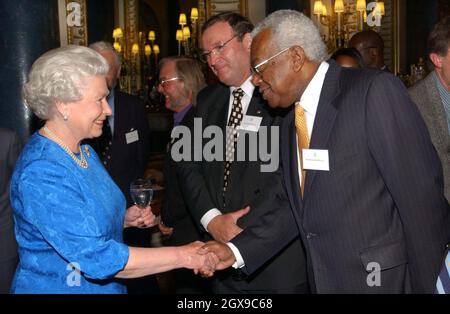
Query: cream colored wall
{"type": "Point", "coordinates": [256, 10]}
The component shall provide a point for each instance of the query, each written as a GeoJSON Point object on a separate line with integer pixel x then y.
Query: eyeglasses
{"type": "Point", "coordinates": [257, 68]}
{"type": "Point", "coordinates": [216, 50]}
{"type": "Point", "coordinates": [162, 82]}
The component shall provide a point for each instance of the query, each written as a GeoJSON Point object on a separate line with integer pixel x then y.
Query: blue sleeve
{"type": "Point", "coordinates": [53, 202]}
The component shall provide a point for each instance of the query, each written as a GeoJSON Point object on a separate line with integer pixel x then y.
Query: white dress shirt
{"type": "Point", "coordinates": [309, 102]}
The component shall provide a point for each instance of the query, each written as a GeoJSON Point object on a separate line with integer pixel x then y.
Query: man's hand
{"type": "Point", "coordinates": [167, 231]}
{"type": "Point", "coordinates": [224, 227]}
{"type": "Point", "coordinates": [194, 257]}
{"type": "Point", "coordinates": [222, 251]}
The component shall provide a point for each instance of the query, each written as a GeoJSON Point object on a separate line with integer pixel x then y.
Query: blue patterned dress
{"type": "Point", "coordinates": [66, 215]}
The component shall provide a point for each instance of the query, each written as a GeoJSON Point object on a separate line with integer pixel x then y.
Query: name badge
{"type": "Point", "coordinates": [132, 137]}
{"type": "Point", "coordinates": [316, 159]}
{"type": "Point", "coordinates": [250, 123]}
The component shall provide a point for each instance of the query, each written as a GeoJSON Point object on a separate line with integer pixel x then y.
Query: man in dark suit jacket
{"type": "Point", "coordinates": [180, 79]}
{"type": "Point", "coordinates": [213, 200]}
{"type": "Point", "coordinates": [124, 148]}
{"type": "Point", "coordinates": [10, 148]}
{"type": "Point", "coordinates": [432, 96]}
{"type": "Point", "coordinates": [372, 215]}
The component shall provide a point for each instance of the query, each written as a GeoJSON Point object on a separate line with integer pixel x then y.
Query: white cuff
{"type": "Point", "coordinates": [239, 263]}
{"type": "Point", "coordinates": [210, 214]}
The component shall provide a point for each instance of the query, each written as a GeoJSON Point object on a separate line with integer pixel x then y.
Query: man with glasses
{"type": "Point", "coordinates": [371, 47]}
{"type": "Point", "coordinates": [180, 79]}
{"type": "Point", "coordinates": [218, 192]}
{"type": "Point", "coordinates": [362, 177]}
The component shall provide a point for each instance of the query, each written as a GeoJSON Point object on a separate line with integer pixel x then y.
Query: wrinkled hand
{"type": "Point", "coordinates": [224, 227]}
{"type": "Point", "coordinates": [167, 231]}
{"type": "Point", "coordinates": [193, 257]}
{"type": "Point", "coordinates": [222, 251]}
{"type": "Point", "coordinates": [139, 217]}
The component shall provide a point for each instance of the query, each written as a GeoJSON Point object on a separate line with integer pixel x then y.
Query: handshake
{"type": "Point", "coordinates": [206, 258]}
{"type": "Point", "coordinates": [215, 255]}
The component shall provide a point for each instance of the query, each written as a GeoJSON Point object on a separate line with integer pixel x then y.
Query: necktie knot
{"type": "Point", "coordinates": [238, 93]}
{"type": "Point", "coordinates": [300, 125]}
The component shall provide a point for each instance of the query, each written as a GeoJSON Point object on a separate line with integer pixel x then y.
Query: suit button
{"type": "Point", "coordinates": [311, 235]}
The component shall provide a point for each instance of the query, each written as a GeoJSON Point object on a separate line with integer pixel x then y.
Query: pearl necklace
{"type": "Point", "coordinates": [82, 162]}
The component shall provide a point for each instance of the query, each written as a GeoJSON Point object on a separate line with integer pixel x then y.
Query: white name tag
{"type": "Point", "coordinates": [250, 123]}
{"type": "Point", "coordinates": [132, 137]}
{"type": "Point", "coordinates": [316, 159]}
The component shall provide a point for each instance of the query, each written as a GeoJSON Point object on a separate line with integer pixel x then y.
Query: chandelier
{"type": "Point", "coordinates": [343, 18]}
{"type": "Point", "coordinates": [139, 60]}
{"type": "Point", "coordinates": [187, 36]}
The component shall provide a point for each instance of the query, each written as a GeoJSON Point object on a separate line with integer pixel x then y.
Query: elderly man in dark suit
{"type": "Point", "coordinates": [363, 179]}
{"type": "Point", "coordinates": [215, 190]}
{"type": "Point", "coordinates": [10, 148]}
{"type": "Point", "coordinates": [432, 95]}
{"type": "Point", "coordinates": [124, 148]}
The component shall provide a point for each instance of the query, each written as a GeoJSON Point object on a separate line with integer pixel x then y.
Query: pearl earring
{"type": "Point", "coordinates": [65, 118]}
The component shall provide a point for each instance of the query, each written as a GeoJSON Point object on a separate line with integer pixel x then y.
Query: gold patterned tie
{"type": "Point", "coordinates": [302, 138]}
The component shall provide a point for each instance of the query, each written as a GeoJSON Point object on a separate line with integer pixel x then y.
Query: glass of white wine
{"type": "Point", "coordinates": [141, 192]}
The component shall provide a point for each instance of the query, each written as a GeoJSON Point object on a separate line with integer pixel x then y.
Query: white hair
{"type": "Point", "coordinates": [57, 76]}
{"type": "Point", "coordinates": [100, 46]}
{"type": "Point", "coordinates": [292, 28]}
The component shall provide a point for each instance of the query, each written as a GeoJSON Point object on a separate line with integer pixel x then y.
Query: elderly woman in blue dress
{"type": "Point", "coordinates": [69, 213]}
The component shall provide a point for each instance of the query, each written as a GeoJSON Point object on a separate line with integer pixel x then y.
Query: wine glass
{"type": "Point", "coordinates": [141, 192]}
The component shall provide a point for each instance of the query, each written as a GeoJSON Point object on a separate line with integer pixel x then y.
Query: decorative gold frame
{"type": "Point", "coordinates": [217, 6]}
{"type": "Point", "coordinates": [74, 34]}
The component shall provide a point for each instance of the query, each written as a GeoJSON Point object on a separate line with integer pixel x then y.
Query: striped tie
{"type": "Point", "coordinates": [443, 281]}
{"type": "Point", "coordinates": [302, 138]}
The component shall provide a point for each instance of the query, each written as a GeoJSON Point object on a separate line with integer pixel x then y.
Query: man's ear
{"type": "Point", "coordinates": [118, 71]}
{"type": "Point", "coordinates": [298, 56]}
{"type": "Point", "coordinates": [247, 40]}
{"type": "Point", "coordinates": [436, 59]}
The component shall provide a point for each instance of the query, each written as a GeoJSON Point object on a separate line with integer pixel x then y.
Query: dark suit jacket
{"type": "Point", "coordinates": [128, 161]}
{"type": "Point", "coordinates": [10, 148]}
{"type": "Point", "coordinates": [174, 212]}
{"type": "Point", "coordinates": [426, 95]}
{"type": "Point", "coordinates": [382, 200]}
{"type": "Point", "coordinates": [202, 187]}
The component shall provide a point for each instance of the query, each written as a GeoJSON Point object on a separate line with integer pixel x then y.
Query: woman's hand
{"type": "Point", "coordinates": [196, 258]}
{"type": "Point", "coordinates": [139, 217]}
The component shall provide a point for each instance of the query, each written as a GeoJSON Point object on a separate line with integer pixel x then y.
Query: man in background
{"type": "Point", "coordinates": [124, 148]}
{"type": "Point", "coordinates": [180, 79]}
{"type": "Point", "coordinates": [432, 96]}
{"type": "Point", "coordinates": [371, 47]}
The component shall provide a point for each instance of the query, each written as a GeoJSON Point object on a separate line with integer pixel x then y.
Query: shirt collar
{"type": "Point", "coordinates": [310, 97]}
{"type": "Point", "coordinates": [247, 87]}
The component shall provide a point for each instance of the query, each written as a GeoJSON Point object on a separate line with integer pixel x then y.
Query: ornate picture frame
{"type": "Point", "coordinates": [217, 6]}
{"type": "Point", "coordinates": [73, 22]}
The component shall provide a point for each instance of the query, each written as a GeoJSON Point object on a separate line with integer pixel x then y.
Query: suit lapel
{"type": "Point", "coordinates": [325, 117]}
{"type": "Point", "coordinates": [437, 106]}
{"type": "Point", "coordinates": [218, 116]}
{"type": "Point", "coordinates": [289, 163]}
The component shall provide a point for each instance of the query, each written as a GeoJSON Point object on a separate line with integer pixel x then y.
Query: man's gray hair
{"type": "Point", "coordinates": [100, 46]}
{"type": "Point", "coordinates": [57, 76]}
{"type": "Point", "coordinates": [292, 28]}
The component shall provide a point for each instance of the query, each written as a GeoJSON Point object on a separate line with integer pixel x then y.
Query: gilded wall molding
{"type": "Point", "coordinates": [75, 18]}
